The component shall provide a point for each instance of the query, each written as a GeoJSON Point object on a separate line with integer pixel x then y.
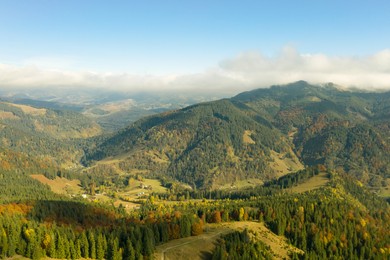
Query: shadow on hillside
{"type": "Point", "coordinates": [72, 212]}
{"type": "Point", "coordinates": [205, 255]}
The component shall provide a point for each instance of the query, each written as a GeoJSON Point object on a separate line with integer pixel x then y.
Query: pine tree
{"type": "Point", "coordinates": [92, 245]}
{"type": "Point", "coordinates": [100, 247]}
{"type": "Point", "coordinates": [51, 250]}
{"type": "Point", "coordinates": [129, 253]}
{"type": "Point", "coordinates": [185, 226]}
{"type": "Point", "coordinates": [113, 252]}
{"type": "Point", "coordinates": [77, 249]}
{"type": "Point", "coordinates": [164, 232]}
{"type": "Point", "coordinates": [72, 250]}
{"type": "Point", "coordinates": [3, 243]}
{"type": "Point", "coordinates": [148, 241]}
{"type": "Point", "coordinates": [84, 245]}
{"type": "Point", "coordinates": [60, 247]}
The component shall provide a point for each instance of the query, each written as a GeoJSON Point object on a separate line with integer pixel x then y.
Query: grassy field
{"type": "Point", "coordinates": [313, 183]}
{"type": "Point", "coordinates": [128, 197]}
{"type": "Point", "coordinates": [283, 164]}
{"type": "Point", "coordinates": [60, 185]}
{"type": "Point", "coordinates": [201, 247]}
{"type": "Point", "coordinates": [241, 184]}
{"type": "Point", "coordinates": [135, 188]}
{"type": "Point", "coordinates": [385, 191]}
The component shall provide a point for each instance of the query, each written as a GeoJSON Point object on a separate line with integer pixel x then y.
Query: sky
{"type": "Point", "coordinates": [193, 44]}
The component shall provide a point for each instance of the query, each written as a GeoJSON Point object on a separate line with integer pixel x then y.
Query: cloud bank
{"type": "Point", "coordinates": [246, 71]}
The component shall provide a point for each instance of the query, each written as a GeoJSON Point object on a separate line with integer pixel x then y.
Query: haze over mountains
{"type": "Point", "coordinates": [113, 109]}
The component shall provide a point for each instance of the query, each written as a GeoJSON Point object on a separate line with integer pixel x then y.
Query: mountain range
{"type": "Point", "coordinates": [260, 134]}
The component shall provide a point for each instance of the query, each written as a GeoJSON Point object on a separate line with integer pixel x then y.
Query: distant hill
{"type": "Point", "coordinates": [48, 104]}
{"type": "Point", "coordinates": [261, 134]}
{"type": "Point", "coordinates": [111, 109]}
{"type": "Point", "coordinates": [35, 139]}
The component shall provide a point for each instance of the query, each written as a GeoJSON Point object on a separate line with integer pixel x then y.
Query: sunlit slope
{"type": "Point", "coordinates": [263, 134]}
{"type": "Point", "coordinates": [38, 138]}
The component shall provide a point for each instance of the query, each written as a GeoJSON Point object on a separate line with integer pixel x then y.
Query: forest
{"type": "Point", "coordinates": [343, 219]}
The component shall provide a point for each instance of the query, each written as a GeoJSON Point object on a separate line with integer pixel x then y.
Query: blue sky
{"type": "Point", "coordinates": [182, 37]}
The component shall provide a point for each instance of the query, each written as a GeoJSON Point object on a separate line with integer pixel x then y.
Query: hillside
{"type": "Point", "coordinates": [263, 134]}
{"type": "Point", "coordinates": [202, 145]}
{"type": "Point", "coordinates": [341, 129]}
{"type": "Point", "coordinates": [39, 139]}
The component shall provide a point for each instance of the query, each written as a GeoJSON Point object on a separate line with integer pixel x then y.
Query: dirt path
{"type": "Point", "coordinates": [199, 247]}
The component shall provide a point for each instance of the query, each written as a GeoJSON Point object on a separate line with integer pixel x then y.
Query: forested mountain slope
{"type": "Point", "coordinates": [33, 139]}
{"type": "Point", "coordinates": [201, 144]}
{"type": "Point", "coordinates": [262, 134]}
{"type": "Point", "coordinates": [341, 129]}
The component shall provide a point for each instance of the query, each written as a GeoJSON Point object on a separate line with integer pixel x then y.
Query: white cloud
{"type": "Point", "coordinates": [246, 71]}
{"type": "Point", "coordinates": [362, 72]}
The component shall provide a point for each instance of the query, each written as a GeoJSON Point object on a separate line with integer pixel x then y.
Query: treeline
{"type": "Point", "coordinates": [76, 230]}
{"type": "Point", "coordinates": [327, 227]}
{"type": "Point", "coordinates": [269, 188]}
{"type": "Point", "coordinates": [16, 186]}
{"type": "Point", "coordinates": [326, 223]}
{"type": "Point", "coordinates": [238, 245]}
{"type": "Point", "coordinates": [293, 179]}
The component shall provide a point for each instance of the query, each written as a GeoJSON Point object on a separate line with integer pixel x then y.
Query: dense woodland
{"type": "Point", "coordinates": [238, 245]}
{"type": "Point", "coordinates": [340, 220]}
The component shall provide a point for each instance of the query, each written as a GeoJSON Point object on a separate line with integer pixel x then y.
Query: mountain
{"type": "Point", "coordinates": [39, 139]}
{"type": "Point", "coordinates": [202, 144]}
{"type": "Point", "coordinates": [341, 129]}
{"type": "Point", "coordinates": [260, 134]}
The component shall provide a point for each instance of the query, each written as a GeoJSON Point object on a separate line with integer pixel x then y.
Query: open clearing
{"type": "Point", "coordinates": [237, 185]}
{"type": "Point", "coordinates": [201, 247]}
{"type": "Point", "coordinates": [313, 183]}
{"type": "Point", "coordinates": [8, 115]}
{"type": "Point", "coordinates": [144, 187]}
{"type": "Point", "coordinates": [385, 190]}
{"type": "Point", "coordinates": [283, 164]}
{"type": "Point", "coordinates": [60, 185]}
{"type": "Point", "coordinates": [29, 110]}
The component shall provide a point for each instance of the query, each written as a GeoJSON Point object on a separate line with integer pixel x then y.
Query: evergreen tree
{"type": "Point", "coordinates": [113, 252]}
{"type": "Point", "coordinates": [147, 241]}
{"type": "Point", "coordinates": [129, 253]}
{"type": "Point", "coordinates": [100, 247]}
{"type": "Point", "coordinates": [92, 244]}
{"type": "Point", "coordinates": [60, 246]}
{"type": "Point", "coordinates": [84, 245]}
